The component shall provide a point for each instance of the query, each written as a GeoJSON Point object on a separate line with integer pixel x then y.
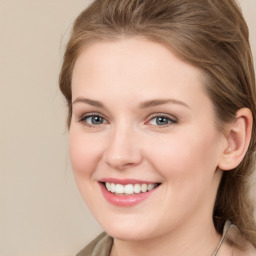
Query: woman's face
{"type": "Point", "coordinates": [141, 122]}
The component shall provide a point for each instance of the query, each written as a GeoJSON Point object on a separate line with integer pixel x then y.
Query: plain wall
{"type": "Point", "coordinates": [41, 211]}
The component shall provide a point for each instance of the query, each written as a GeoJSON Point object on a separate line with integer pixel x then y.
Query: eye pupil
{"type": "Point", "coordinates": [162, 120]}
{"type": "Point", "coordinates": [97, 120]}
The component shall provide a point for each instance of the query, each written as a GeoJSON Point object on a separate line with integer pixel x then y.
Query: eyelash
{"type": "Point", "coordinates": [90, 115]}
{"type": "Point", "coordinates": [170, 119]}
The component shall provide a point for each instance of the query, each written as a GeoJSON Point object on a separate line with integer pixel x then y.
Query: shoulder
{"type": "Point", "coordinates": [236, 244]}
{"type": "Point", "coordinates": [100, 246]}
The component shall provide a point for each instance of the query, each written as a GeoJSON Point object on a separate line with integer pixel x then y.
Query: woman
{"type": "Point", "coordinates": [161, 98]}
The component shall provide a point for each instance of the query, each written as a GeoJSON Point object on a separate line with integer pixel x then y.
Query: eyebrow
{"type": "Point", "coordinates": [94, 103]}
{"type": "Point", "coordinates": [157, 102]}
{"type": "Point", "coordinates": [143, 105]}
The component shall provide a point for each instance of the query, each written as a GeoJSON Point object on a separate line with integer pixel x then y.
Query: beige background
{"type": "Point", "coordinates": [41, 212]}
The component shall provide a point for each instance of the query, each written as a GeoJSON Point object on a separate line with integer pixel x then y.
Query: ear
{"type": "Point", "coordinates": [238, 138]}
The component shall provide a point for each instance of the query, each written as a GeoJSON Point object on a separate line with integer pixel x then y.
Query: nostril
{"type": "Point", "coordinates": [122, 160]}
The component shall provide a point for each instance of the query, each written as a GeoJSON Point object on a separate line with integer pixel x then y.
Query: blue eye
{"type": "Point", "coordinates": [92, 120]}
{"type": "Point", "coordinates": [161, 121]}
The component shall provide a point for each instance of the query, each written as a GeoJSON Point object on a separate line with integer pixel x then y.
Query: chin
{"type": "Point", "coordinates": [127, 235]}
{"type": "Point", "coordinates": [128, 231]}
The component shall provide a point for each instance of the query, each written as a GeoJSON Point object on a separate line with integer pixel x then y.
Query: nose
{"type": "Point", "coordinates": [122, 150]}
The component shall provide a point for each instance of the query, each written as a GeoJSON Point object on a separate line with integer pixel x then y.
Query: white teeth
{"type": "Point", "coordinates": [119, 189]}
{"type": "Point", "coordinates": [108, 186]}
{"type": "Point", "coordinates": [112, 187]}
{"type": "Point", "coordinates": [144, 187]}
{"type": "Point", "coordinates": [129, 189]}
{"type": "Point", "coordinates": [151, 186]}
{"type": "Point", "coordinates": [136, 188]}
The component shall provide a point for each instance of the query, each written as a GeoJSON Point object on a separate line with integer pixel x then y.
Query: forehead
{"type": "Point", "coordinates": [134, 66]}
{"type": "Point", "coordinates": [134, 57]}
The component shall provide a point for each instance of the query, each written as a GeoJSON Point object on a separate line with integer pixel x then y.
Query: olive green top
{"type": "Point", "coordinates": [100, 246]}
{"type": "Point", "coordinates": [231, 244]}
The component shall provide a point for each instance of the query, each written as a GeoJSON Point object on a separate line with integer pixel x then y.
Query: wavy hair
{"type": "Point", "coordinates": [211, 35]}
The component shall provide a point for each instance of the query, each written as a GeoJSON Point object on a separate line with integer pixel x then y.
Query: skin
{"type": "Point", "coordinates": [183, 154]}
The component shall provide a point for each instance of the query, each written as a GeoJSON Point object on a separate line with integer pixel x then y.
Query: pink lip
{"type": "Point", "coordinates": [125, 201]}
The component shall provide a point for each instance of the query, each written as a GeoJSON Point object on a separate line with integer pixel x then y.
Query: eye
{"type": "Point", "coordinates": [92, 120]}
{"type": "Point", "coordinates": [162, 120]}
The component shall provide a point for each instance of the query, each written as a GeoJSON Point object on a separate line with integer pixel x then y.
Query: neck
{"type": "Point", "coordinates": [190, 240]}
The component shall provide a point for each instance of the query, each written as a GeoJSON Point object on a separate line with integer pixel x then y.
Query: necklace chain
{"type": "Point", "coordinates": [225, 231]}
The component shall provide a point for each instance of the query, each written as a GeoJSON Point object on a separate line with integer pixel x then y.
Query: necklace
{"type": "Point", "coordinates": [225, 231]}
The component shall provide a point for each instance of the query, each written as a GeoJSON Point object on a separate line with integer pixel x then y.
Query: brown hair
{"type": "Point", "coordinates": [209, 34]}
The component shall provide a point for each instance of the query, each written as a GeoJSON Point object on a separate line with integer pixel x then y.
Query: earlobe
{"type": "Point", "coordinates": [238, 140]}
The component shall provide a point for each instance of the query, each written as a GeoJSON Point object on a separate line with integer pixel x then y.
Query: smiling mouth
{"type": "Point", "coordinates": [129, 189]}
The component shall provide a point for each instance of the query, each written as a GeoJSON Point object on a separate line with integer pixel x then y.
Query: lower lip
{"type": "Point", "coordinates": [125, 201]}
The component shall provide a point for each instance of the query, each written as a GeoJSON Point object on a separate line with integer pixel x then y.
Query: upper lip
{"type": "Point", "coordinates": [126, 181]}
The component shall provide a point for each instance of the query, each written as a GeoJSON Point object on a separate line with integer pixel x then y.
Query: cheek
{"type": "Point", "coordinates": [185, 156]}
{"type": "Point", "coordinates": [85, 151]}
{"type": "Point", "coordinates": [187, 163]}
